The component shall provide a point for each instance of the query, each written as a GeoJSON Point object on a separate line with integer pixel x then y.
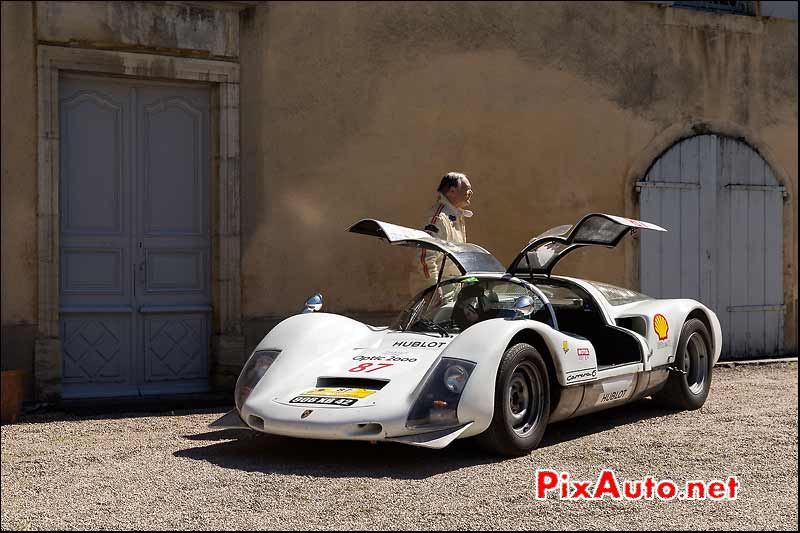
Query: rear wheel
{"type": "Point", "coordinates": [521, 403]}
{"type": "Point", "coordinates": [690, 379]}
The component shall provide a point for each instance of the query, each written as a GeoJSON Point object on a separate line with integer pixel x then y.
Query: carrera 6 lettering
{"type": "Point", "coordinates": [581, 375]}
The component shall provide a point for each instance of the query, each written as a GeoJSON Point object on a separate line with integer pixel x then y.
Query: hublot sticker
{"type": "Point", "coordinates": [611, 396]}
{"type": "Point", "coordinates": [419, 344]}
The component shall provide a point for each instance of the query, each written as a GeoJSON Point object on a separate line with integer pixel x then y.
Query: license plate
{"type": "Point", "coordinates": [324, 400]}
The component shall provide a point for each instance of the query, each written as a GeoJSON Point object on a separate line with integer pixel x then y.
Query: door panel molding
{"type": "Point", "coordinates": [194, 259]}
{"type": "Point", "coordinates": [112, 203]}
{"type": "Point", "coordinates": [115, 271]}
{"type": "Point", "coordinates": [96, 348]}
{"type": "Point", "coordinates": [172, 350]}
{"type": "Point", "coordinates": [153, 113]}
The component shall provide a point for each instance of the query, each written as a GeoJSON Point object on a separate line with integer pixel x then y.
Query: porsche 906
{"type": "Point", "coordinates": [496, 353]}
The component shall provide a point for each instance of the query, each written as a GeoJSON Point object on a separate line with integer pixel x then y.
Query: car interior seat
{"type": "Point", "coordinates": [470, 295]}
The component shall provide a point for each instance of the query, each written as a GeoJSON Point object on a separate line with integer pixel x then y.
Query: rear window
{"type": "Point", "coordinates": [617, 295]}
{"type": "Point", "coordinates": [560, 295]}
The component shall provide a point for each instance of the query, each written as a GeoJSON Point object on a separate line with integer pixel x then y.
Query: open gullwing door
{"type": "Point", "coordinates": [469, 258]}
{"type": "Point", "coordinates": [544, 251]}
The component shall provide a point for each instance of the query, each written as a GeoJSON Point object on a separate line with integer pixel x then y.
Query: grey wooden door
{"type": "Point", "coordinates": [134, 219]}
{"type": "Point", "coordinates": [723, 208]}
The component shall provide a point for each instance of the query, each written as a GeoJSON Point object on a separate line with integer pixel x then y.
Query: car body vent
{"type": "Point", "coordinates": [352, 383]}
{"type": "Point", "coordinates": [634, 323]}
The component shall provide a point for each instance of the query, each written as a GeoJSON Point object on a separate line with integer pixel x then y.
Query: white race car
{"type": "Point", "coordinates": [494, 354]}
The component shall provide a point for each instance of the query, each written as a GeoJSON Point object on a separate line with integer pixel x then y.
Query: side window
{"type": "Point", "coordinates": [501, 296]}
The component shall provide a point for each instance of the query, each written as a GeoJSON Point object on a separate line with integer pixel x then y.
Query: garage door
{"type": "Point", "coordinates": [134, 229]}
{"type": "Point", "coordinates": [723, 208]}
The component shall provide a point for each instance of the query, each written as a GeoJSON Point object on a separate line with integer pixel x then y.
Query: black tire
{"type": "Point", "coordinates": [687, 387]}
{"type": "Point", "coordinates": [521, 403]}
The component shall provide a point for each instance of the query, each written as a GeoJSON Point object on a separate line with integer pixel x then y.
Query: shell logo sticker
{"type": "Point", "coordinates": [660, 326]}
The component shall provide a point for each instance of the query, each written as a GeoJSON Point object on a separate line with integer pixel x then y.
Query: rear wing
{"type": "Point", "coordinates": [469, 258]}
{"type": "Point", "coordinates": [598, 229]}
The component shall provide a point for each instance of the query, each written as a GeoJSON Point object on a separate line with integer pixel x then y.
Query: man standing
{"type": "Point", "coordinates": [446, 222]}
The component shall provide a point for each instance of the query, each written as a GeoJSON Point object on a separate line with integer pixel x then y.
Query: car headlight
{"type": "Point", "coordinates": [455, 377]}
{"type": "Point", "coordinates": [252, 372]}
{"type": "Point", "coordinates": [437, 404]}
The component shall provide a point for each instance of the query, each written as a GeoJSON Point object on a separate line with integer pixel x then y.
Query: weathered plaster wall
{"type": "Point", "coordinates": [152, 26]}
{"type": "Point", "coordinates": [355, 110]}
{"type": "Point", "coordinates": [18, 194]}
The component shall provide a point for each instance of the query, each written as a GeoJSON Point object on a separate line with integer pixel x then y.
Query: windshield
{"type": "Point", "coordinates": [458, 304]}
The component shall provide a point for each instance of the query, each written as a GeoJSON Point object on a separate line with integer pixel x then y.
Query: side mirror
{"type": "Point", "coordinates": [523, 306]}
{"type": "Point", "coordinates": [313, 304]}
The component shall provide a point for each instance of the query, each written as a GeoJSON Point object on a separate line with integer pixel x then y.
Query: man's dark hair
{"type": "Point", "coordinates": [451, 179]}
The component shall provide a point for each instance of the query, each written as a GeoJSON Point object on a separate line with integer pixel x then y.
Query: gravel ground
{"type": "Point", "coordinates": [169, 471]}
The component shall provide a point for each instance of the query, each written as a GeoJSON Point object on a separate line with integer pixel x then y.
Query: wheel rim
{"type": "Point", "coordinates": [524, 399]}
{"type": "Point", "coordinates": [695, 363]}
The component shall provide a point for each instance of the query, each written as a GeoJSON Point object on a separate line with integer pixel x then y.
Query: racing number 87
{"type": "Point", "coordinates": [364, 366]}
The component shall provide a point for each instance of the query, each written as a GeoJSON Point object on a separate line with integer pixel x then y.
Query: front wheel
{"type": "Point", "coordinates": [690, 379]}
{"type": "Point", "coordinates": [521, 403]}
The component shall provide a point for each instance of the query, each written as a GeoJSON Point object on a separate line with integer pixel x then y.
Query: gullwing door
{"type": "Point", "coordinates": [596, 229]}
{"type": "Point", "coordinates": [466, 256]}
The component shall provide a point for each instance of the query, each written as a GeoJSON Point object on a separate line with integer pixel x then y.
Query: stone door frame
{"type": "Point", "coordinates": [227, 342]}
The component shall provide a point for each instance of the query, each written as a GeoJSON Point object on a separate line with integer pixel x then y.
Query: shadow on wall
{"type": "Point", "coordinates": [256, 452]}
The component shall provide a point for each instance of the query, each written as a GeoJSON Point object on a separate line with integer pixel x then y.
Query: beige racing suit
{"type": "Point", "coordinates": [446, 222]}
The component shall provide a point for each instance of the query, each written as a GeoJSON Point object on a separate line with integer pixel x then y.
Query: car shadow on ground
{"type": "Point", "coordinates": [593, 423]}
{"type": "Point", "coordinates": [249, 451]}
